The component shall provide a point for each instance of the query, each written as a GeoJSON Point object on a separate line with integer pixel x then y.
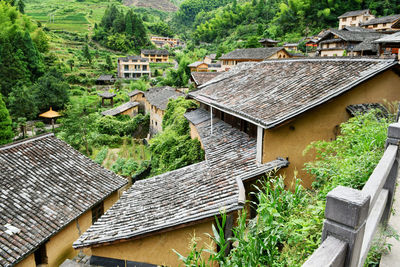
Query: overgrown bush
{"type": "Point", "coordinates": [112, 126]}
{"type": "Point", "coordinates": [101, 156]}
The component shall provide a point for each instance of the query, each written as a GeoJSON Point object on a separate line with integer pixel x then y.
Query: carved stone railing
{"type": "Point", "coordinates": [353, 216]}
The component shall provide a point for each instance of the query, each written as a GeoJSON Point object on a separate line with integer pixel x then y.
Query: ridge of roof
{"type": "Point", "coordinates": [25, 141]}
{"type": "Point", "coordinates": [354, 13]}
{"type": "Point", "coordinates": [384, 19]}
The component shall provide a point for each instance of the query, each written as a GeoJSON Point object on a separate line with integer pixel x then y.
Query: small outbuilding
{"type": "Point", "coordinates": [129, 108]}
{"type": "Point", "coordinates": [105, 79]}
{"type": "Point", "coordinates": [107, 95]}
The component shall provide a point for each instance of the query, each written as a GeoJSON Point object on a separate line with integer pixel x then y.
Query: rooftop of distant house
{"type": "Point", "coordinates": [273, 91]}
{"type": "Point", "coordinates": [159, 96]}
{"type": "Point", "coordinates": [163, 52]}
{"type": "Point", "coordinates": [45, 185]}
{"type": "Point", "coordinates": [385, 19]}
{"type": "Point", "coordinates": [252, 53]}
{"type": "Point", "coordinates": [118, 110]}
{"type": "Point", "coordinates": [355, 13]}
{"type": "Point", "coordinates": [189, 194]}
{"type": "Point", "coordinates": [350, 36]}
{"type": "Point", "coordinates": [200, 78]}
{"type": "Point", "coordinates": [392, 38]}
{"type": "Point", "coordinates": [127, 58]}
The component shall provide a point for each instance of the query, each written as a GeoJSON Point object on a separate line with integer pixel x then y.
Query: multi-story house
{"type": "Point", "coordinates": [383, 24]}
{"type": "Point", "coordinates": [348, 42]}
{"type": "Point", "coordinates": [131, 67]}
{"type": "Point", "coordinates": [165, 41]}
{"type": "Point", "coordinates": [155, 55]}
{"type": "Point", "coordinates": [355, 18]}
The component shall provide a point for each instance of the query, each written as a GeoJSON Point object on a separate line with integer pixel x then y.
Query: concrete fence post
{"type": "Point", "coordinates": [346, 213]}
{"type": "Point", "coordinates": [390, 184]}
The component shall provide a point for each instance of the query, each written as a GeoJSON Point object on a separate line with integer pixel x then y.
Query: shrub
{"type": "Point", "coordinates": [101, 156]}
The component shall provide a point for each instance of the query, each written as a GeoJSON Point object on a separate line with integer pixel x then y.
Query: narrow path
{"type": "Point", "coordinates": [393, 258]}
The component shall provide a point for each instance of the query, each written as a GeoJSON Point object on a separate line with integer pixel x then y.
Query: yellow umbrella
{"type": "Point", "coordinates": [50, 114]}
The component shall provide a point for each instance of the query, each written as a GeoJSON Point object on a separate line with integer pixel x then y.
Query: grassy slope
{"type": "Point", "coordinates": [164, 5]}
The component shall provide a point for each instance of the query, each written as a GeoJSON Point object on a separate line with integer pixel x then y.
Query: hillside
{"type": "Point", "coordinates": [164, 5]}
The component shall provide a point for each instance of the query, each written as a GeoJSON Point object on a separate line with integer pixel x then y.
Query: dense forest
{"type": "Point", "coordinates": [228, 22]}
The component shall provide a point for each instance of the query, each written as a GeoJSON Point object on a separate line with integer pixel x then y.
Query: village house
{"type": "Point", "coordinates": [266, 42]}
{"type": "Point", "coordinates": [138, 96]}
{"type": "Point", "coordinates": [198, 66]}
{"type": "Point", "coordinates": [132, 67]}
{"type": "Point", "coordinates": [50, 194]}
{"type": "Point", "coordinates": [155, 55]}
{"type": "Point", "coordinates": [129, 108]}
{"type": "Point", "coordinates": [160, 42]}
{"type": "Point", "coordinates": [200, 78]}
{"type": "Point", "coordinates": [165, 211]}
{"type": "Point", "coordinates": [348, 42]}
{"type": "Point", "coordinates": [237, 56]}
{"type": "Point", "coordinates": [291, 46]}
{"type": "Point", "coordinates": [105, 79]}
{"type": "Point", "coordinates": [389, 45]}
{"type": "Point", "coordinates": [296, 101]}
{"type": "Point", "coordinates": [355, 18]}
{"type": "Point", "coordinates": [211, 58]}
{"type": "Point", "coordinates": [383, 24]}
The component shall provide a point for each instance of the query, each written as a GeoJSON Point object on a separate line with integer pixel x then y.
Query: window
{"type": "Point", "coordinates": [384, 25]}
{"type": "Point", "coordinates": [127, 75]}
{"type": "Point", "coordinates": [354, 18]}
{"type": "Point", "coordinates": [126, 67]}
{"type": "Point", "coordinates": [375, 25]}
{"type": "Point", "coordinates": [41, 255]}
{"type": "Point", "coordinates": [144, 68]}
{"type": "Point", "coordinates": [97, 211]}
{"type": "Point", "coordinates": [137, 67]}
{"type": "Point", "coordinates": [344, 19]}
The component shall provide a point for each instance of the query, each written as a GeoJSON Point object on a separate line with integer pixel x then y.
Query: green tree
{"type": "Point", "coordinates": [87, 54]}
{"type": "Point", "coordinates": [71, 63]}
{"type": "Point", "coordinates": [51, 90]}
{"type": "Point", "coordinates": [6, 133]}
{"type": "Point", "coordinates": [21, 6]}
{"type": "Point", "coordinates": [109, 62]}
{"type": "Point", "coordinates": [22, 103]}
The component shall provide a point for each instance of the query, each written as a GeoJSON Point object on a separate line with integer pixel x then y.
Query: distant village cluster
{"type": "Point", "coordinates": [259, 108]}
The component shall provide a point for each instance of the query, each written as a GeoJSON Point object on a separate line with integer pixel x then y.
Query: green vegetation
{"type": "Point", "coordinates": [121, 31]}
{"type": "Point", "coordinates": [173, 148]}
{"type": "Point", "coordinates": [6, 133]}
{"type": "Point", "coordinates": [289, 223]}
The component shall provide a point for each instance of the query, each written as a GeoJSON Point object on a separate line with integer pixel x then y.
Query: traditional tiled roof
{"type": "Point", "coordinates": [155, 52]}
{"type": "Point", "coordinates": [355, 13]}
{"type": "Point", "coordinates": [106, 95]}
{"type": "Point", "coordinates": [159, 96]}
{"type": "Point", "coordinates": [44, 185]}
{"type": "Point", "coordinates": [133, 58]}
{"type": "Point", "coordinates": [200, 78]}
{"type": "Point", "coordinates": [358, 109]}
{"type": "Point", "coordinates": [135, 92]}
{"type": "Point", "coordinates": [367, 45]}
{"type": "Point", "coordinates": [357, 29]}
{"type": "Point", "coordinates": [291, 44]}
{"type": "Point", "coordinates": [252, 53]}
{"type": "Point", "coordinates": [392, 38]}
{"type": "Point", "coordinates": [105, 77]}
{"type": "Point", "coordinates": [212, 56]}
{"type": "Point", "coordinates": [267, 40]}
{"type": "Point", "coordinates": [120, 109]}
{"type": "Point", "coordinates": [351, 36]}
{"type": "Point", "coordinates": [188, 194]}
{"type": "Point", "coordinates": [271, 92]}
{"type": "Point", "coordinates": [386, 19]}
{"type": "Point", "coordinates": [196, 64]}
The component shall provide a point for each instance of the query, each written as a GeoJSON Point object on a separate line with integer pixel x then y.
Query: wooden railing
{"type": "Point", "coordinates": [352, 216]}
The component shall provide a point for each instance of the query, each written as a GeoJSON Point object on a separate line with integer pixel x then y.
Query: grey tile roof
{"type": "Point", "coordinates": [354, 13]}
{"type": "Point", "coordinates": [163, 52]}
{"type": "Point", "coordinates": [386, 19]}
{"type": "Point", "coordinates": [195, 64]}
{"type": "Point", "coordinates": [351, 36]}
{"type": "Point", "coordinates": [120, 109]}
{"type": "Point", "coordinates": [105, 77]}
{"type": "Point", "coordinates": [159, 96]}
{"type": "Point", "coordinates": [44, 185]}
{"type": "Point", "coordinates": [366, 45]}
{"type": "Point", "coordinates": [392, 38]}
{"type": "Point", "coordinates": [135, 92]}
{"type": "Point", "coordinates": [357, 29]}
{"type": "Point", "coordinates": [267, 40]}
{"type": "Point", "coordinates": [133, 57]}
{"type": "Point", "coordinates": [271, 92]}
{"type": "Point", "coordinates": [185, 195]}
{"type": "Point", "coordinates": [106, 95]}
{"type": "Point", "coordinates": [252, 53]}
{"type": "Point", "coordinates": [202, 77]}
